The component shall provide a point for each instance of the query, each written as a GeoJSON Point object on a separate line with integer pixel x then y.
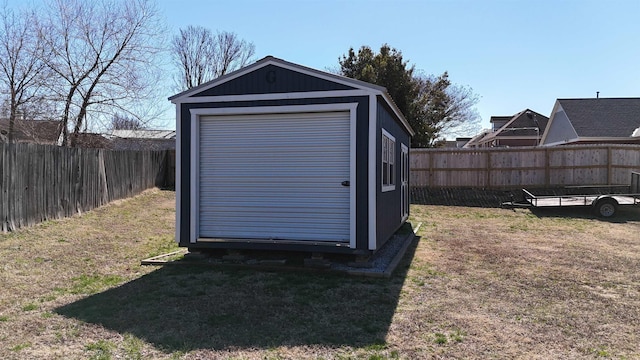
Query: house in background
{"type": "Point", "coordinates": [87, 140]}
{"type": "Point", "coordinates": [143, 139]}
{"type": "Point", "coordinates": [594, 120]}
{"type": "Point", "coordinates": [522, 129]}
{"type": "Point", "coordinates": [459, 142]}
{"type": "Point", "coordinates": [45, 132]}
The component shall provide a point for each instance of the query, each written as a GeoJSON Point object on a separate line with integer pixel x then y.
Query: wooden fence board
{"type": "Point", "coordinates": [39, 182]}
{"type": "Point", "coordinates": [519, 167]}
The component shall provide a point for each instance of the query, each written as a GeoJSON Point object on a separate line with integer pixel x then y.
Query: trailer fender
{"type": "Point", "coordinates": [605, 206]}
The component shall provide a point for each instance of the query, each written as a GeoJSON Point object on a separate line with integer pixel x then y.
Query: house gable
{"type": "Point", "coordinates": [522, 129]}
{"type": "Point", "coordinates": [608, 120]}
{"type": "Point", "coordinates": [525, 124]}
{"type": "Point", "coordinates": [560, 130]}
{"type": "Point", "coordinates": [499, 121]}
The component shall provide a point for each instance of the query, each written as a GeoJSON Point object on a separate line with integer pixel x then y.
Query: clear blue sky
{"type": "Point", "coordinates": [514, 54]}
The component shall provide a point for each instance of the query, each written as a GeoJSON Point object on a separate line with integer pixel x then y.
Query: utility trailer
{"type": "Point", "coordinates": [604, 204]}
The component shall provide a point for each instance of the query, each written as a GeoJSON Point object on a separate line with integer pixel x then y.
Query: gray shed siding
{"type": "Point", "coordinates": [362, 133]}
{"type": "Point", "coordinates": [272, 79]}
{"type": "Point", "coordinates": [388, 207]}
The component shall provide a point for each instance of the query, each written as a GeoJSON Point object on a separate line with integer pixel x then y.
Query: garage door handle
{"type": "Point", "coordinates": [345, 183]}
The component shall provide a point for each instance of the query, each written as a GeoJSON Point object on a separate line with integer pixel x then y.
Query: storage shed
{"type": "Point", "coordinates": [284, 157]}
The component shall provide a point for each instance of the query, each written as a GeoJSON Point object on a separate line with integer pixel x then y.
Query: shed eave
{"type": "Point", "coordinates": [397, 112]}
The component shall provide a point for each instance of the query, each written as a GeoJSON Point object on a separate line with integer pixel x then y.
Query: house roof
{"type": "Point", "coordinates": [36, 131]}
{"type": "Point", "coordinates": [270, 60]}
{"type": "Point", "coordinates": [603, 117]}
{"type": "Point", "coordinates": [500, 118]}
{"type": "Point", "coordinates": [522, 124]}
{"type": "Point", "coordinates": [144, 134]}
{"type": "Point", "coordinates": [476, 139]}
{"type": "Point", "coordinates": [92, 141]}
{"type": "Point", "coordinates": [142, 144]}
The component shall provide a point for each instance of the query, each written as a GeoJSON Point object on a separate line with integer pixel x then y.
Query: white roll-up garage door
{"type": "Point", "coordinates": [275, 176]}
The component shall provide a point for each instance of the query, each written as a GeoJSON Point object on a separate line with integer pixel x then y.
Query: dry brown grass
{"type": "Point", "coordinates": [557, 285]}
{"type": "Point", "coordinates": [481, 283]}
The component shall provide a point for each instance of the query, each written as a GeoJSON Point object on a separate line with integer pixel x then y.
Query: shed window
{"type": "Point", "coordinates": [388, 161]}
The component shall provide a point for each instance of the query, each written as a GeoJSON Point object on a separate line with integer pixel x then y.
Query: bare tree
{"type": "Point", "coordinates": [202, 55]}
{"type": "Point", "coordinates": [459, 116]}
{"type": "Point", "coordinates": [21, 68]}
{"type": "Point", "coordinates": [102, 53]}
{"type": "Point", "coordinates": [124, 122]}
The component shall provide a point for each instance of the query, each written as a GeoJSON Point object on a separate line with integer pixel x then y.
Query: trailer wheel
{"type": "Point", "coordinates": [606, 207]}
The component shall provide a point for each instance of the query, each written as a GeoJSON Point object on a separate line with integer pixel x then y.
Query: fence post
{"type": "Point", "coordinates": [430, 175]}
{"type": "Point", "coordinates": [488, 169]}
{"type": "Point", "coordinates": [547, 167]}
{"type": "Point", "coordinates": [609, 166]}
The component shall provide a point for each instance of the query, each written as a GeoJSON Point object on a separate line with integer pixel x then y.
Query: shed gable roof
{"type": "Point", "coordinates": [603, 117]}
{"type": "Point", "coordinates": [249, 83]}
{"type": "Point", "coordinates": [262, 77]}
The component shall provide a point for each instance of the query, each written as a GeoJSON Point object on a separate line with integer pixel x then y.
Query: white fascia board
{"type": "Point", "coordinates": [608, 139]}
{"type": "Point", "coordinates": [353, 117]}
{"type": "Point", "coordinates": [398, 113]}
{"type": "Point", "coordinates": [195, 180]}
{"type": "Point", "coordinates": [373, 132]}
{"type": "Point", "coordinates": [557, 143]}
{"type": "Point", "coordinates": [518, 137]}
{"type": "Point", "coordinates": [275, 96]}
{"type": "Point", "coordinates": [274, 109]}
{"type": "Point", "coordinates": [178, 170]}
{"type": "Point", "coordinates": [357, 84]}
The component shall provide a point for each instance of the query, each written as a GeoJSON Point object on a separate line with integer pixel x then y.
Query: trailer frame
{"type": "Point", "coordinates": [604, 204]}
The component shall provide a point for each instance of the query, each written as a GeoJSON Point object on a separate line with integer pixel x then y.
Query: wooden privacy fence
{"type": "Point", "coordinates": [40, 182]}
{"type": "Point", "coordinates": [524, 167]}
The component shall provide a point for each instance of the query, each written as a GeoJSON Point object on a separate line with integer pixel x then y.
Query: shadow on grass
{"type": "Point", "coordinates": [183, 308]}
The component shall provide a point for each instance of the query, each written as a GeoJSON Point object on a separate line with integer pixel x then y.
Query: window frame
{"type": "Point", "coordinates": [404, 181]}
{"type": "Point", "coordinates": [388, 162]}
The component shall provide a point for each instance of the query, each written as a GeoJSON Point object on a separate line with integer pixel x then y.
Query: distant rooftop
{"type": "Point", "coordinates": [144, 134]}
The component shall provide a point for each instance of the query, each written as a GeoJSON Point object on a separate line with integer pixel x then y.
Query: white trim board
{"type": "Point", "coordinates": [373, 142]}
{"type": "Point", "coordinates": [178, 172]}
{"type": "Point", "coordinates": [275, 96]}
{"type": "Point", "coordinates": [196, 114]}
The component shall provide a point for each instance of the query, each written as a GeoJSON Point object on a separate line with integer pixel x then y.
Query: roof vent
{"type": "Point", "coordinates": [636, 132]}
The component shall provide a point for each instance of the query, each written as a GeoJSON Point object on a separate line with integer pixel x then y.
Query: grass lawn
{"type": "Point", "coordinates": [480, 283]}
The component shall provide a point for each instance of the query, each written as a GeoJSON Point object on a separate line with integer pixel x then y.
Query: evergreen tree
{"type": "Point", "coordinates": [430, 104]}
